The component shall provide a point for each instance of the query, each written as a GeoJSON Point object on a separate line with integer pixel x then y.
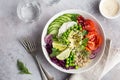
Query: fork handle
{"type": "Point", "coordinates": [42, 74]}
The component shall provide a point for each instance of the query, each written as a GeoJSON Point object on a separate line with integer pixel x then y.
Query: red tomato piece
{"type": "Point", "coordinates": [99, 41]}
{"type": "Point", "coordinates": [89, 25]}
{"type": "Point", "coordinates": [91, 45]}
{"type": "Point", "coordinates": [95, 40]}
{"type": "Point", "coordinates": [92, 36]}
{"type": "Point", "coordinates": [87, 48]}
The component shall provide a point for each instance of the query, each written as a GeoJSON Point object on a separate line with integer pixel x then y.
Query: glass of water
{"type": "Point", "coordinates": [29, 10]}
{"type": "Point", "coordinates": [50, 2]}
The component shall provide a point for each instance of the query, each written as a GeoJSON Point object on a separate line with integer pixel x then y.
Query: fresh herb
{"type": "Point", "coordinates": [85, 41]}
{"type": "Point", "coordinates": [55, 52]}
{"type": "Point", "coordinates": [85, 53]}
{"type": "Point", "coordinates": [74, 17]}
{"type": "Point", "coordinates": [55, 38]}
{"type": "Point", "coordinates": [81, 48]}
{"type": "Point", "coordinates": [84, 32]}
{"type": "Point", "coordinates": [22, 68]}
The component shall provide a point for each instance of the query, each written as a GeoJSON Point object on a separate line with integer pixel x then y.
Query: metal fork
{"type": "Point", "coordinates": [32, 48]}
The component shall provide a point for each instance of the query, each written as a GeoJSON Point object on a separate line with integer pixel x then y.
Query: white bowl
{"type": "Point", "coordinates": [107, 16]}
{"type": "Point", "coordinates": [94, 61]}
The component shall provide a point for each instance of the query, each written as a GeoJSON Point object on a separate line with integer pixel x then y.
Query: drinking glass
{"type": "Point", "coordinates": [29, 10]}
{"type": "Point", "coordinates": [50, 2]}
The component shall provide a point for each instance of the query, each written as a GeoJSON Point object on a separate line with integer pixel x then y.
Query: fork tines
{"type": "Point", "coordinates": [29, 45]}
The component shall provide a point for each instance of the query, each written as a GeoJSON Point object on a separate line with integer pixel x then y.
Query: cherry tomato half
{"type": "Point", "coordinates": [92, 36]}
{"type": "Point", "coordinates": [89, 25]}
{"type": "Point", "coordinates": [95, 40]}
{"type": "Point", "coordinates": [91, 45]}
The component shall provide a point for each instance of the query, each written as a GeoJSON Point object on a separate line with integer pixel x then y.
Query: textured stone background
{"type": "Point", "coordinates": [11, 28]}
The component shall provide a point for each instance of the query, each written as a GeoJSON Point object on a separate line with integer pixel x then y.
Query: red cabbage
{"type": "Point", "coordinates": [94, 53]}
{"type": "Point", "coordinates": [49, 48]}
{"type": "Point", "coordinates": [97, 50]}
{"type": "Point", "coordinates": [48, 39]}
{"type": "Point", "coordinates": [60, 63]}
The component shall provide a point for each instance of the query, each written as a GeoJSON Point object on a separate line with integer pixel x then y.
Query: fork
{"type": "Point", "coordinates": [32, 48]}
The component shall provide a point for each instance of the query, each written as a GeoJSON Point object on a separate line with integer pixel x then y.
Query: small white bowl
{"type": "Point", "coordinates": [107, 16]}
{"type": "Point", "coordinates": [94, 61]}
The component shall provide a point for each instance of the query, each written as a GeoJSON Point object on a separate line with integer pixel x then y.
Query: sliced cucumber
{"type": "Point", "coordinates": [55, 25]}
{"type": "Point", "coordinates": [50, 30]}
{"type": "Point", "coordinates": [67, 18]}
{"type": "Point", "coordinates": [56, 22]}
{"type": "Point", "coordinates": [60, 20]}
{"type": "Point", "coordinates": [54, 32]}
{"type": "Point", "coordinates": [68, 15]}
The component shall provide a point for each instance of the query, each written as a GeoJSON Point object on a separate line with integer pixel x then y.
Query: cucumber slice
{"type": "Point", "coordinates": [51, 29]}
{"type": "Point", "coordinates": [67, 18]}
{"type": "Point", "coordinates": [54, 32]}
{"type": "Point", "coordinates": [68, 15]}
{"type": "Point", "coordinates": [60, 20]}
{"type": "Point", "coordinates": [54, 26]}
{"type": "Point", "coordinates": [56, 22]}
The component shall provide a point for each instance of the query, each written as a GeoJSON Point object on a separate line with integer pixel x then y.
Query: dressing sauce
{"type": "Point", "coordinates": [110, 7]}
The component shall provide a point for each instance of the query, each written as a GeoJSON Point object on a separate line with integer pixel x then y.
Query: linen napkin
{"type": "Point", "coordinates": [110, 58]}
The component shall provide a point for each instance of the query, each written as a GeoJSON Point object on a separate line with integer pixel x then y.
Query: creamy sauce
{"type": "Point", "coordinates": [110, 7]}
{"type": "Point", "coordinates": [65, 26]}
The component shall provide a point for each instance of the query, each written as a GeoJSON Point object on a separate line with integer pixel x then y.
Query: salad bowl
{"type": "Point", "coordinates": [63, 56]}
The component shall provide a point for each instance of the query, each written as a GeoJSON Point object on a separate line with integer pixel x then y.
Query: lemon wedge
{"type": "Point", "coordinates": [63, 55]}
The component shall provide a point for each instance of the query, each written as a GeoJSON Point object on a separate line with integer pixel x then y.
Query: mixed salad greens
{"type": "Point", "coordinates": [72, 41]}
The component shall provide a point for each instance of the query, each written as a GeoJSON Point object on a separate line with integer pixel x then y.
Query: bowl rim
{"type": "Point", "coordinates": [45, 28]}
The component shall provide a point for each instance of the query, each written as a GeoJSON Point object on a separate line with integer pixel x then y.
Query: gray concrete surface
{"type": "Point", "coordinates": [12, 28]}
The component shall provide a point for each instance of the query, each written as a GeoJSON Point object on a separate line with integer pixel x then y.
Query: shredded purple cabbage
{"type": "Point", "coordinates": [49, 48]}
{"type": "Point", "coordinates": [97, 50]}
{"type": "Point", "coordinates": [94, 53]}
{"type": "Point", "coordinates": [48, 41]}
{"type": "Point", "coordinates": [61, 63]}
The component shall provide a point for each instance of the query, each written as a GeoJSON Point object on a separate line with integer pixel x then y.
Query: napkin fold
{"type": "Point", "coordinates": [110, 58]}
